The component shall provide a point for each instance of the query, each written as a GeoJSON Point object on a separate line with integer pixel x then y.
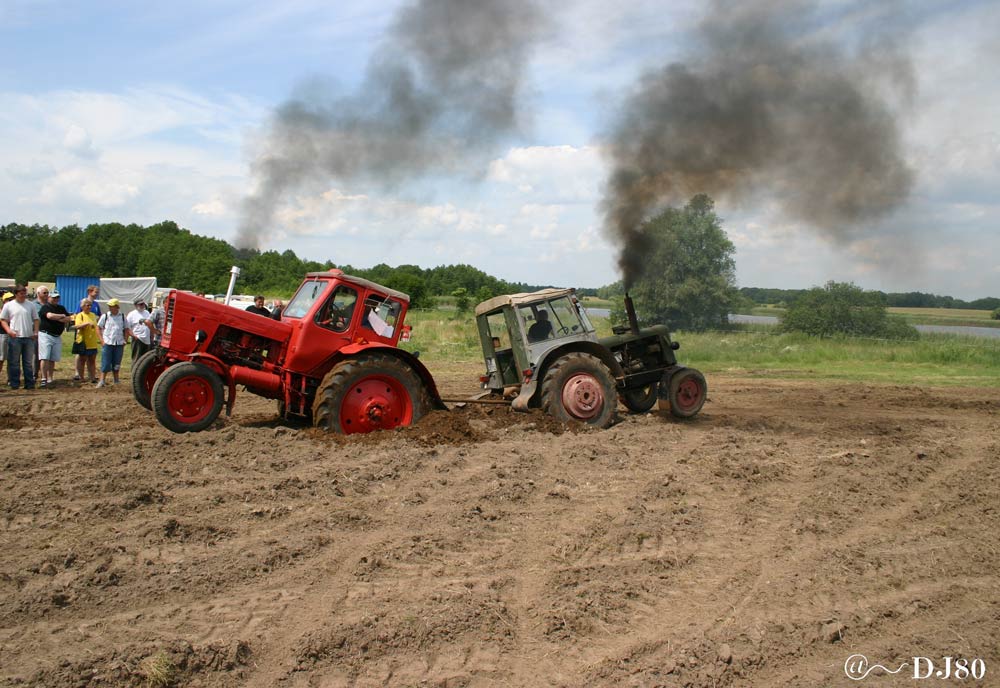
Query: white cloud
{"type": "Point", "coordinates": [551, 174]}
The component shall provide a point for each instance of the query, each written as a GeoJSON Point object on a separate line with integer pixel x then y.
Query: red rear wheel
{"type": "Point", "coordinates": [377, 402]}
{"type": "Point", "coordinates": [579, 387]}
{"type": "Point", "coordinates": [373, 392]}
{"type": "Point", "coordinates": [582, 396]}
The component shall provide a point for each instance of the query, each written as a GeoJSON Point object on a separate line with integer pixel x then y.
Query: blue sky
{"type": "Point", "coordinates": [141, 112]}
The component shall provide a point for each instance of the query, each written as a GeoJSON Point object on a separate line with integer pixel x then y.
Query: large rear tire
{"type": "Point", "coordinates": [145, 372]}
{"type": "Point", "coordinates": [579, 387]}
{"type": "Point", "coordinates": [373, 392]}
{"type": "Point", "coordinates": [687, 394]}
{"type": "Point", "coordinates": [187, 397]}
{"type": "Point", "coordinates": [640, 399]}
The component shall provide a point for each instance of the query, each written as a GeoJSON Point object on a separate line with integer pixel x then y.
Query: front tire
{"type": "Point", "coordinates": [145, 372]}
{"type": "Point", "coordinates": [187, 397]}
{"type": "Point", "coordinates": [579, 387]}
{"type": "Point", "coordinates": [687, 393]}
{"type": "Point", "coordinates": [375, 392]}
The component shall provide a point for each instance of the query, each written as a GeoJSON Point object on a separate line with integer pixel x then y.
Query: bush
{"type": "Point", "coordinates": [841, 308]}
{"type": "Point", "coordinates": [996, 314]}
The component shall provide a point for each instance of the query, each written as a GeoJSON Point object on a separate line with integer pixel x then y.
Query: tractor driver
{"type": "Point", "coordinates": [542, 329]}
{"type": "Point", "coordinates": [338, 318]}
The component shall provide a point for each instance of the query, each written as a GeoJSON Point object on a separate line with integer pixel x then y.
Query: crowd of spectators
{"type": "Point", "coordinates": [31, 336]}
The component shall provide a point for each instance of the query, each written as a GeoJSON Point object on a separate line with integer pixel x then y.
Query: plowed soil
{"type": "Point", "coordinates": [789, 526]}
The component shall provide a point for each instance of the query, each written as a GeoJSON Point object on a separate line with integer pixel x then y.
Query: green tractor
{"type": "Point", "coordinates": [542, 350]}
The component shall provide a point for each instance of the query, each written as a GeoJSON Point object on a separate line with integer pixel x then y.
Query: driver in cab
{"type": "Point", "coordinates": [541, 329]}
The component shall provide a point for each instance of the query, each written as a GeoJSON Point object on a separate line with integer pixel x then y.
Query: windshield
{"type": "Point", "coordinates": [304, 299]}
{"type": "Point", "coordinates": [550, 319]}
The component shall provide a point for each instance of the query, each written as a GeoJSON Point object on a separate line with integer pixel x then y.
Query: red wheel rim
{"type": "Point", "coordinates": [582, 396]}
{"type": "Point", "coordinates": [191, 399]}
{"type": "Point", "coordinates": [688, 393]}
{"type": "Point", "coordinates": [373, 403]}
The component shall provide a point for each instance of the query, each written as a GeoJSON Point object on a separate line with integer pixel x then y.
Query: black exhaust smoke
{"type": "Point", "coordinates": [445, 86]}
{"type": "Point", "coordinates": [764, 106]}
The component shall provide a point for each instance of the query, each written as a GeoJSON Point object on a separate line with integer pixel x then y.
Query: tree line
{"type": "Point", "coordinates": [182, 260]}
{"type": "Point", "coordinates": [910, 299]}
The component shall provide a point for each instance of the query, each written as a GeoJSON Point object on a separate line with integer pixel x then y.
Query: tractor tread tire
{"type": "Point", "coordinates": [345, 375]}
{"type": "Point", "coordinates": [690, 408]}
{"type": "Point", "coordinates": [161, 396]}
{"type": "Point", "coordinates": [561, 371]}
{"type": "Point", "coordinates": [139, 371]}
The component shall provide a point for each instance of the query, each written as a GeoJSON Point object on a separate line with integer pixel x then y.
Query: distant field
{"type": "Point", "coordinates": [963, 313]}
{"type": "Point", "coordinates": [594, 302]}
{"type": "Point", "coordinates": [914, 316]}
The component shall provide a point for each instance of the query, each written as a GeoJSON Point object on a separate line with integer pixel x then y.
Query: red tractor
{"type": "Point", "coordinates": [333, 358]}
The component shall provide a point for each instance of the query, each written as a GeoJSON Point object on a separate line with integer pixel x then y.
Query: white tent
{"type": "Point", "coordinates": [127, 290]}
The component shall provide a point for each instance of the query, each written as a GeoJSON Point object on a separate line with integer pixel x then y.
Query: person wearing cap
{"type": "Point", "coordinates": [258, 307]}
{"type": "Point", "coordinates": [87, 341]}
{"type": "Point", "coordinates": [113, 330]}
{"type": "Point", "coordinates": [7, 296]}
{"type": "Point", "coordinates": [19, 319]}
{"type": "Point", "coordinates": [140, 322]}
{"type": "Point", "coordinates": [52, 320]}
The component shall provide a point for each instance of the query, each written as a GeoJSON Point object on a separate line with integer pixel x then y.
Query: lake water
{"type": "Point", "coordinates": [772, 320]}
{"type": "Point", "coordinates": [943, 329]}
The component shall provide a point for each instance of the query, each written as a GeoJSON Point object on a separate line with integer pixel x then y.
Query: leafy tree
{"type": "Point", "coordinates": [843, 308]}
{"type": "Point", "coordinates": [996, 314]}
{"type": "Point", "coordinates": [461, 299]}
{"type": "Point", "coordinates": [690, 276]}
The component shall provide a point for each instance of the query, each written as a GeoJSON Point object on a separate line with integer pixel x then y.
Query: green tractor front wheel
{"type": "Point", "coordinates": [686, 392]}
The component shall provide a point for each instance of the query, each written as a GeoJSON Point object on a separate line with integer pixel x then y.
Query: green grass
{"type": "Point", "coordinates": [933, 359]}
{"type": "Point", "coordinates": [757, 350]}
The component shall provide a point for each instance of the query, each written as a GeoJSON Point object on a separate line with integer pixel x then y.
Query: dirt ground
{"type": "Point", "coordinates": [789, 526]}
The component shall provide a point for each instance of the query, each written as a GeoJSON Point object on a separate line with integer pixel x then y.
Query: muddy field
{"type": "Point", "coordinates": [788, 527]}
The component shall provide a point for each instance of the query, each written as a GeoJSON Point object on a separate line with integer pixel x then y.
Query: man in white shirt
{"type": "Point", "coordinates": [140, 321]}
{"type": "Point", "coordinates": [19, 319]}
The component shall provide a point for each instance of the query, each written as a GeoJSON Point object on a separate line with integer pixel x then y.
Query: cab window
{"type": "Point", "coordinates": [380, 315]}
{"type": "Point", "coordinates": [338, 310]}
{"type": "Point", "coordinates": [497, 324]}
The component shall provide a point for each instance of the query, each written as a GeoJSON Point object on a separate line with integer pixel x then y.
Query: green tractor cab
{"type": "Point", "coordinates": [541, 349]}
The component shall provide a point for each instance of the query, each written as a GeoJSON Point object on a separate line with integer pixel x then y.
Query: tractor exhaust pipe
{"type": "Point", "coordinates": [633, 322]}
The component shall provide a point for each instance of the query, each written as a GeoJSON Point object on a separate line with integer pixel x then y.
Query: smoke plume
{"type": "Point", "coordinates": [760, 106]}
{"type": "Point", "coordinates": [445, 85]}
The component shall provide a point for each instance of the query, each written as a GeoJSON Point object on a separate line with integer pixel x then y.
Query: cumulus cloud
{"type": "Point", "coordinates": [565, 174]}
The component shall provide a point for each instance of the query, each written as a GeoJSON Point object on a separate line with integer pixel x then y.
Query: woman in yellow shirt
{"type": "Point", "coordinates": [86, 342]}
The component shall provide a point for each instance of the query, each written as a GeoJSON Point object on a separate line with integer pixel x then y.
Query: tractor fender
{"type": "Point", "coordinates": [213, 362]}
{"type": "Point", "coordinates": [403, 355]}
{"type": "Point", "coordinates": [529, 391]}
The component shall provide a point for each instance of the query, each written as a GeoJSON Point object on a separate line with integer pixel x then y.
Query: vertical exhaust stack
{"type": "Point", "coordinates": [633, 322]}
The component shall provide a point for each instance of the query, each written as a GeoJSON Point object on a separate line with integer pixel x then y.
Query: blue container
{"type": "Point", "coordinates": [73, 289]}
